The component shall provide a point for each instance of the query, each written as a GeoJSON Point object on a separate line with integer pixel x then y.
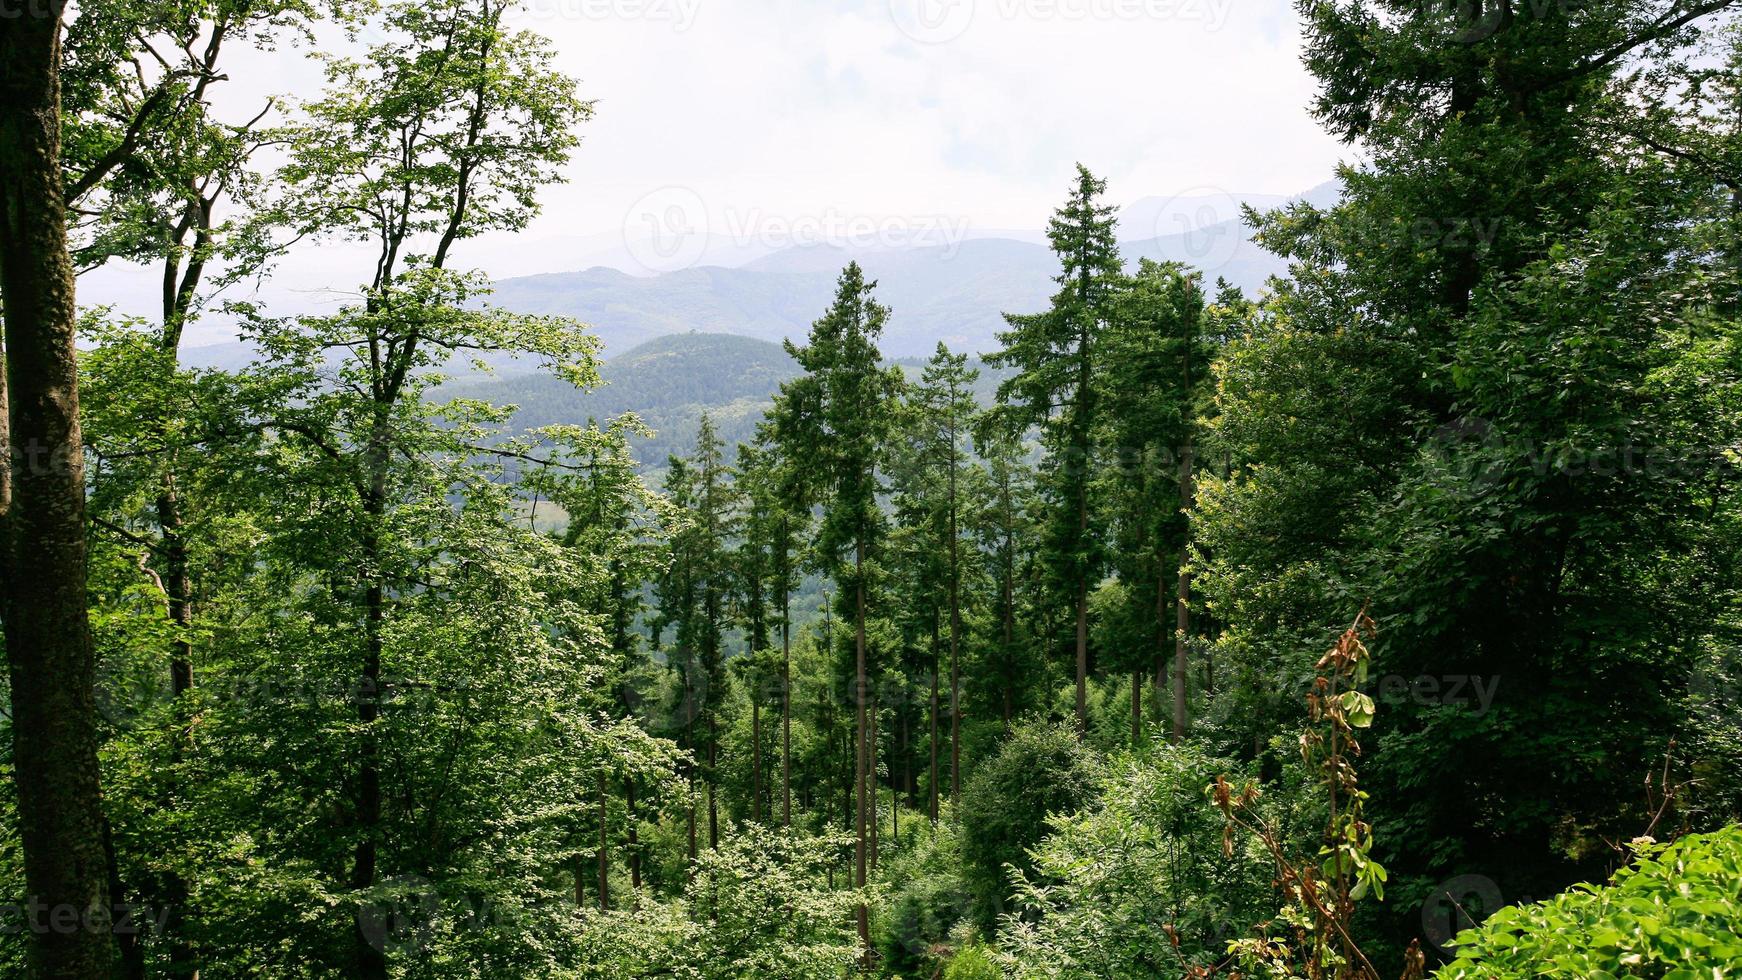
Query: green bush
{"type": "Point", "coordinates": [924, 901]}
{"type": "Point", "coordinates": [972, 963]}
{"type": "Point", "coordinates": [1674, 913]}
{"type": "Point", "coordinates": [1118, 882]}
{"type": "Point", "coordinates": [1041, 770]}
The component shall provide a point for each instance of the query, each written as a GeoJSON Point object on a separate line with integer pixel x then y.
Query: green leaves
{"type": "Point", "coordinates": [1672, 912]}
{"type": "Point", "coordinates": [1358, 708]}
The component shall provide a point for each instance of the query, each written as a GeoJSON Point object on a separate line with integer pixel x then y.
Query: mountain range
{"type": "Point", "coordinates": [956, 292]}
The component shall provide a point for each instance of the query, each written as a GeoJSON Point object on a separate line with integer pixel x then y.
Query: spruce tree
{"type": "Point", "coordinates": [837, 417]}
{"type": "Point", "coordinates": [1055, 353]}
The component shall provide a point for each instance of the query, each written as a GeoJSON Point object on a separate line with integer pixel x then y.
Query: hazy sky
{"type": "Point", "coordinates": [751, 124]}
{"type": "Point", "coordinates": [974, 109]}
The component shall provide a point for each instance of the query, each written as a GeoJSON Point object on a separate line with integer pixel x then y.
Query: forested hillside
{"type": "Point", "coordinates": [1380, 622]}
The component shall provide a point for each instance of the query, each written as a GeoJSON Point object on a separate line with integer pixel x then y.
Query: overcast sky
{"type": "Point", "coordinates": [759, 123]}
{"type": "Point", "coordinates": [971, 108]}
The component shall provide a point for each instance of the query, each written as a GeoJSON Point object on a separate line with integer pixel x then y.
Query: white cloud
{"type": "Point", "coordinates": [798, 111]}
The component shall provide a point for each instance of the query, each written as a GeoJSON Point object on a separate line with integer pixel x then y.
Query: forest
{"type": "Point", "coordinates": [1382, 622]}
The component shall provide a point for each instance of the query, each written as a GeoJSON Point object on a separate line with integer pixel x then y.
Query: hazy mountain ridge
{"type": "Point", "coordinates": [956, 292]}
{"type": "Point", "coordinates": [669, 382]}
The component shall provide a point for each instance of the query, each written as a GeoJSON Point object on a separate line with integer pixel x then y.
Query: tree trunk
{"type": "Point", "coordinates": [1183, 621]}
{"type": "Point", "coordinates": [42, 517]}
{"type": "Point", "coordinates": [604, 844]}
{"type": "Point", "coordinates": [634, 834]}
{"type": "Point", "coordinates": [371, 960]}
{"type": "Point", "coordinates": [755, 758]}
{"type": "Point", "coordinates": [876, 817]}
{"type": "Point", "coordinates": [1009, 610]}
{"type": "Point", "coordinates": [1183, 624]}
{"type": "Point", "coordinates": [1137, 709]}
{"type": "Point", "coordinates": [713, 804]}
{"type": "Point", "coordinates": [692, 820]}
{"type": "Point", "coordinates": [1082, 658]}
{"type": "Point", "coordinates": [785, 702]}
{"type": "Point", "coordinates": [862, 753]}
{"type": "Point", "coordinates": [1163, 596]}
{"type": "Point", "coordinates": [955, 636]}
{"type": "Point", "coordinates": [933, 811]}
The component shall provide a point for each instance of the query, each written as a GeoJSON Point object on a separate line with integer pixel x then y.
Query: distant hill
{"type": "Point", "coordinates": [669, 382]}
{"type": "Point", "coordinates": [957, 293]}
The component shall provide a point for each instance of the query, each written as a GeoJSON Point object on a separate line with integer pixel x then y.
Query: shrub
{"type": "Point", "coordinates": [1042, 770]}
{"type": "Point", "coordinates": [1674, 913]}
{"type": "Point", "coordinates": [972, 963]}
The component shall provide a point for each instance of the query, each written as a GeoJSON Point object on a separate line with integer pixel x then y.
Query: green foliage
{"type": "Point", "coordinates": [1136, 885]}
{"type": "Point", "coordinates": [755, 907]}
{"type": "Point", "coordinates": [972, 963]}
{"type": "Point", "coordinates": [1041, 770]}
{"type": "Point", "coordinates": [924, 902]}
{"type": "Point", "coordinates": [1672, 913]}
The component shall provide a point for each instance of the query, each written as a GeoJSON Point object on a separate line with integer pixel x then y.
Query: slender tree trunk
{"type": "Point", "coordinates": [371, 960]}
{"type": "Point", "coordinates": [126, 920]}
{"type": "Point", "coordinates": [955, 636]}
{"type": "Point", "coordinates": [634, 833]}
{"type": "Point", "coordinates": [713, 804]}
{"type": "Point", "coordinates": [933, 810]}
{"type": "Point", "coordinates": [755, 758]}
{"type": "Point", "coordinates": [898, 784]}
{"type": "Point", "coordinates": [862, 754]}
{"type": "Point", "coordinates": [876, 818]}
{"type": "Point", "coordinates": [1183, 622]}
{"type": "Point", "coordinates": [1009, 585]}
{"type": "Point", "coordinates": [178, 587]}
{"type": "Point", "coordinates": [785, 699]}
{"type": "Point", "coordinates": [1137, 681]}
{"type": "Point", "coordinates": [42, 517]}
{"type": "Point", "coordinates": [1083, 446]}
{"type": "Point", "coordinates": [1082, 658]}
{"type": "Point", "coordinates": [909, 784]}
{"type": "Point", "coordinates": [604, 846]}
{"type": "Point", "coordinates": [692, 820]}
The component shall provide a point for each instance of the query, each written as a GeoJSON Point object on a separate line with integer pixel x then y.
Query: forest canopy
{"type": "Point", "coordinates": [1379, 622]}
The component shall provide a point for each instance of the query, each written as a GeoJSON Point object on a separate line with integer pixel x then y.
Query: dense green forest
{"type": "Point", "coordinates": [1379, 622]}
